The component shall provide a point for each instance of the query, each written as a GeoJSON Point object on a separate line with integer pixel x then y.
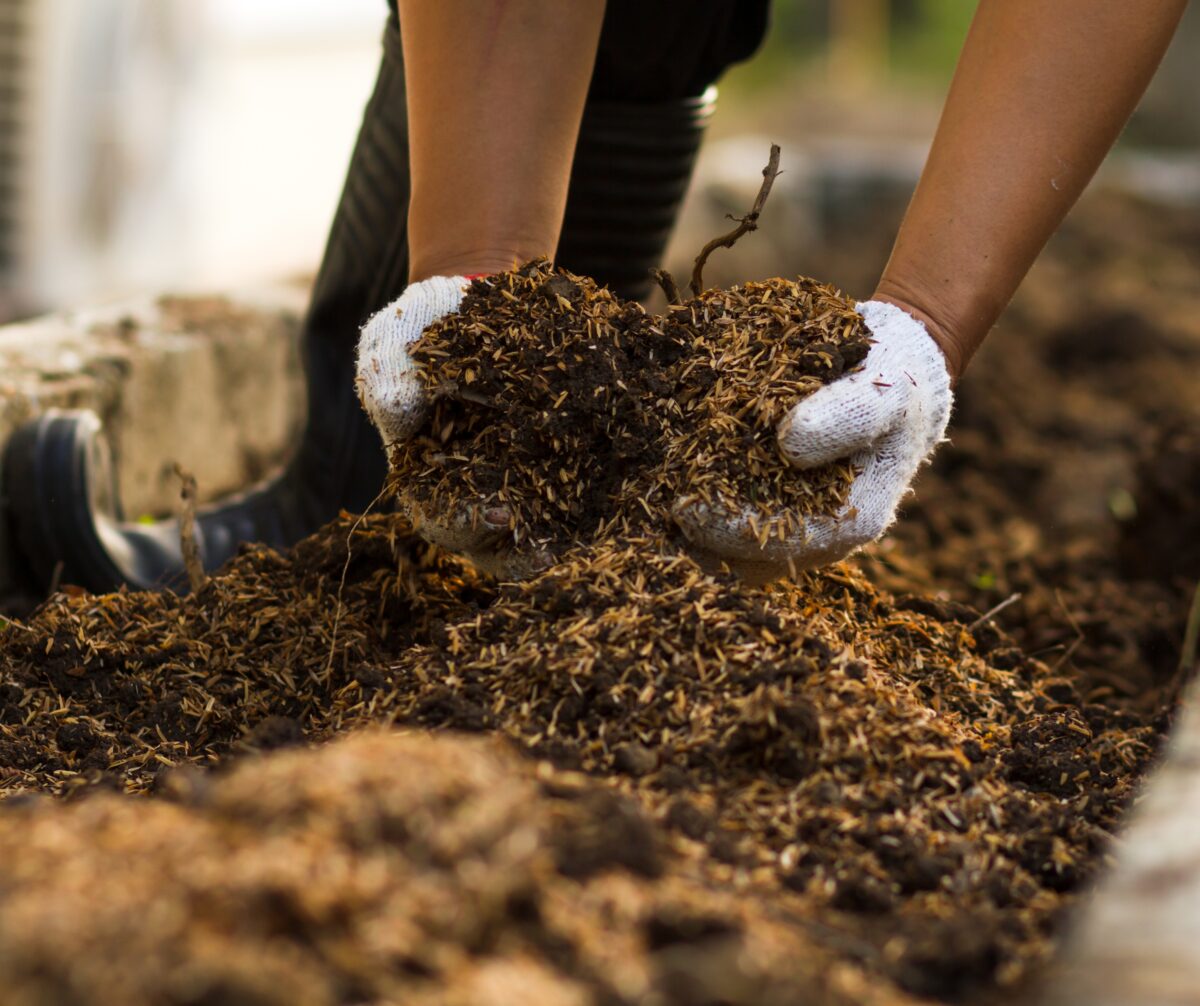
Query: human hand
{"type": "Point", "coordinates": [387, 381]}
{"type": "Point", "coordinates": [394, 396]}
{"type": "Point", "coordinates": [885, 419]}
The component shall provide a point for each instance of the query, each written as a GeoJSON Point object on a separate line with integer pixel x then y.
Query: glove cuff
{"type": "Point", "coordinates": [426, 301]}
{"type": "Point", "coordinates": [897, 329]}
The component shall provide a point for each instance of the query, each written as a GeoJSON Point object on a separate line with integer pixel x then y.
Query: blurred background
{"type": "Point", "coordinates": [147, 145]}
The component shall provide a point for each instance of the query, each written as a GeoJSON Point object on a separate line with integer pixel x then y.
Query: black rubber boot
{"type": "Point", "coordinates": [631, 170]}
{"type": "Point", "coordinates": [61, 493]}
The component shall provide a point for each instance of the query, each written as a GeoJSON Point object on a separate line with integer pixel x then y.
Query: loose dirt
{"type": "Point", "coordinates": [851, 788]}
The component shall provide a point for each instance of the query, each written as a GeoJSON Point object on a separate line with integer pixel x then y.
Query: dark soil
{"type": "Point", "coordinates": [1070, 476]}
{"type": "Point", "coordinates": [823, 750]}
{"type": "Point", "coordinates": [850, 789]}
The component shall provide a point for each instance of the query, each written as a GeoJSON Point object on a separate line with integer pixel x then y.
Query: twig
{"type": "Point", "coordinates": [745, 224]}
{"type": "Point", "coordinates": [12, 623]}
{"type": "Point", "coordinates": [56, 578]}
{"type": "Point", "coordinates": [188, 543]}
{"type": "Point", "coordinates": [1191, 634]}
{"type": "Point", "coordinates": [991, 613]}
{"type": "Point", "coordinates": [1068, 653]}
{"type": "Point", "coordinates": [669, 286]}
{"type": "Point", "coordinates": [337, 612]}
{"type": "Point", "coordinates": [457, 393]}
{"type": "Point", "coordinates": [1079, 636]}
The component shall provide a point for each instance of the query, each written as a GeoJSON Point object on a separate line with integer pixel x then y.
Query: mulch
{"type": "Point", "coordinates": [363, 773]}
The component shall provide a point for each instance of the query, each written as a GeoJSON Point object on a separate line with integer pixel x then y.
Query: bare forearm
{"type": "Point", "coordinates": [495, 95]}
{"type": "Point", "coordinates": [1041, 93]}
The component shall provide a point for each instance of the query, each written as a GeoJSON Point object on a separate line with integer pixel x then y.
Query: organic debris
{"type": "Point", "coordinates": [568, 409]}
{"type": "Point", "coordinates": [691, 790]}
{"type": "Point", "coordinates": [880, 765]}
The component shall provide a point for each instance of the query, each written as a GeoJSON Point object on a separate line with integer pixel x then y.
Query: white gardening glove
{"type": "Point", "coordinates": [391, 391]}
{"type": "Point", "coordinates": [885, 418]}
{"type": "Point", "coordinates": [387, 381]}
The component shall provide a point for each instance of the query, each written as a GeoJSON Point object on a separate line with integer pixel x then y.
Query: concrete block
{"type": "Point", "coordinates": [210, 382]}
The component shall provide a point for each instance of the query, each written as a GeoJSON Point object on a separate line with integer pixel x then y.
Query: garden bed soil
{"type": "Point", "coordinates": [361, 773]}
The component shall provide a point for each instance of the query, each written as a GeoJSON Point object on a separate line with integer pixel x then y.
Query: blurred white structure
{"type": "Point", "coordinates": [148, 144]}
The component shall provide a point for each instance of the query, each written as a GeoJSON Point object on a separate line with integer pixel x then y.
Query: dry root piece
{"type": "Point", "coordinates": [574, 411]}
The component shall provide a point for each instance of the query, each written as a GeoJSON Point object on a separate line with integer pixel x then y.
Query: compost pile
{"type": "Point", "coordinates": [687, 790]}
{"type": "Point", "coordinates": [577, 413]}
{"type": "Point", "coordinates": [890, 768]}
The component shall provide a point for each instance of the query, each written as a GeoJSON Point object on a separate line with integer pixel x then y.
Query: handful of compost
{"type": "Point", "coordinates": [880, 411]}
{"type": "Point", "coordinates": [773, 424]}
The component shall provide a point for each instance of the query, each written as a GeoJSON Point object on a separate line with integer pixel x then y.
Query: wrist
{"type": "Point", "coordinates": [468, 262]}
{"type": "Point", "coordinates": [437, 248]}
{"type": "Point", "coordinates": [943, 334]}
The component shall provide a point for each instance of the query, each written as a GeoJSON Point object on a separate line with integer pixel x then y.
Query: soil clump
{"type": "Point", "coordinates": [382, 868]}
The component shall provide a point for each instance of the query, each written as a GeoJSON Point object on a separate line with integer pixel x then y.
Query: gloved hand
{"type": "Point", "coordinates": [391, 391]}
{"type": "Point", "coordinates": [387, 381]}
{"type": "Point", "coordinates": [886, 418]}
